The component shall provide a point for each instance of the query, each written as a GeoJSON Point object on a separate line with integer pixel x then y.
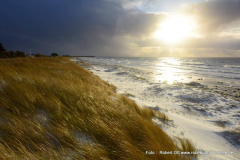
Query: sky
{"type": "Point", "coordinates": [122, 28]}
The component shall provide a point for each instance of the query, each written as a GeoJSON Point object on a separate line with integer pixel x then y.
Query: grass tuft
{"type": "Point", "coordinates": [187, 146]}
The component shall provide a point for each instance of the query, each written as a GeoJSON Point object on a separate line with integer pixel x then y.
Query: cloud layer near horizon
{"type": "Point", "coordinates": [115, 28]}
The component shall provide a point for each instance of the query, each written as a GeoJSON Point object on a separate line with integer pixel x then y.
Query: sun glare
{"type": "Point", "coordinates": [175, 29]}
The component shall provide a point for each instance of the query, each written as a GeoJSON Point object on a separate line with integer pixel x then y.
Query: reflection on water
{"type": "Point", "coordinates": [173, 69]}
{"type": "Point", "coordinates": [168, 72]}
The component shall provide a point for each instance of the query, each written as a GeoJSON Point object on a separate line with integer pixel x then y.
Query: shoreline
{"type": "Point", "coordinates": [204, 126]}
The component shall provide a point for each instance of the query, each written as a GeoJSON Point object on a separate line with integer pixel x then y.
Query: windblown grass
{"type": "Point", "coordinates": [51, 108]}
{"type": "Point", "coordinates": [187, 146]}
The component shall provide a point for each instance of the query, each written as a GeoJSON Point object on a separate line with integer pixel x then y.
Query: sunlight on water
{"type": "Point", "coordinates": [168, 72]}
{"type": "Point", "coordinates": [174, 69]}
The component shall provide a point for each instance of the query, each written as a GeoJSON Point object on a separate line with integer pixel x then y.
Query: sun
{"type": "Point", "coordinates": [175, 29]}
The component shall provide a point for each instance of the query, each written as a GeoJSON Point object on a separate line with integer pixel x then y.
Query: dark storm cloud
{"type": "Point", "coordinates": [51, 24]}
{"type": "Point", "coordinates": [76, 27]}
{"type": "Point", "coordinates": [137, 23]}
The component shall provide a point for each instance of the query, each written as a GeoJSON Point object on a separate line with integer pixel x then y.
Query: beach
{"type": "Point", "coordinates": [203, 105]}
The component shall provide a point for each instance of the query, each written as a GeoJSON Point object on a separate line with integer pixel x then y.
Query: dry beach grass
{"type": "Point", "coordinates": [51, 108]}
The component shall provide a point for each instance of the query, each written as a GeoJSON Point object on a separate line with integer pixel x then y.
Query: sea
{"type": "Point", "coordinates": [209, 71]}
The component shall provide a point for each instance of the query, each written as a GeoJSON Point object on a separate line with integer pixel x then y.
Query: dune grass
{"type": "Point", "coordinates": [187, 146]}
{"type": "Point", "coordinates": [51, 108]}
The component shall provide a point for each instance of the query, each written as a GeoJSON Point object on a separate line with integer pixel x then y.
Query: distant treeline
{"type": "Point", "coordinates": [83, 56]}
{"type": "Point", "coordinates": [10, 54]}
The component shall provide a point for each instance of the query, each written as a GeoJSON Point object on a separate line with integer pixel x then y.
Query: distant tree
{"type": "Point", "coordinates": [2, 48]}
{"type": "Point", "coordinates": [54, 54]}
{"type": "Point", "coordinates": [12, 54]}
{"type": "Point", "coordinates": [23, 54]}
{"type": "Point", "coordinates": [4, 54]}
{"type": "Point", "coordinates": [20, 54]}
{"type": "Point", "coordinates": [65, 55]}
{"type": "Point", "coordinates": [40, 55]}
